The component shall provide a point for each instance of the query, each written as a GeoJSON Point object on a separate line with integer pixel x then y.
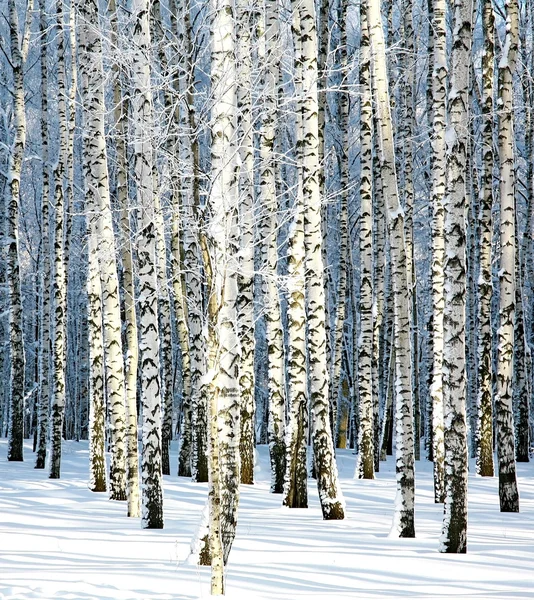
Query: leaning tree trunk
{"type": "Point", "coordinates": [454, 531]}
{"type": "Point", "coordinates": [403, 522]}
{"type": "Point", "coordinates": [508, 492]}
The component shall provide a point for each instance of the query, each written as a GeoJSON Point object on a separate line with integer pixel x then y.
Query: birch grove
{"type": "Point", "coordinates": [305, 225]}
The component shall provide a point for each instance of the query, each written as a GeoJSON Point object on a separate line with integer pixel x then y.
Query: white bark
{"type": "Point", "coordinates": [403, 522]}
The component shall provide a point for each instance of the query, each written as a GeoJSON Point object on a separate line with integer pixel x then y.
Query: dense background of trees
{"type": "Point", "coordinates": [299, 224]}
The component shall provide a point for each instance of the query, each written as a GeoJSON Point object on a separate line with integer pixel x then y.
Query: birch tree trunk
{"type": "Point", "coordinates": [44, 329]}
{"type": "Point", "coordinates": [91, 68]}
{"type": "Point", "coordinates": [270, 55]}
{"type": "Point", "coordinates": [57, 401]}
{"type": "Point", "coordinates": [330, 495]}
{"type": "Point", "coordinates": [403, 522]}
{"type": "Point", "coordinates": [245, 23]}
{"type": "Point", "coordinates": [97, 405]}
{"type": "Point", "coordinates": [439, 111]}
{"type": "Point", "coordinates": [366, 435]}
{"type": "Point", "coordinates": [295, 481]}
{"type": "Point", "coordinates": [151, 397]}
{"type": "Point", "coordinates": [223, 341]}
{"type": "Point", "coordinates": [508, 492]}
{"type": "Point", "coordinates": [485, 286]}
{"type": "Point", "coordinates": [120, 115]}
{"type": "Point", "coordinates": [454, 531]}
{"type": "Point", "coordinates": [19, 51]}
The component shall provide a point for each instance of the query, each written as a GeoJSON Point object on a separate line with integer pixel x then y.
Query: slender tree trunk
{"type": "Point", "coordinates": [508, 492]}
{"type": "Point", "coordinates": [149, 339]}
{"type": "Point", "coordinates": [58, 398]}
{"type": "Point", "coordinates": [330, 495]}
{"type": "Point", "coordinates": [245, 24]}
{"type": "Point", "coordinates": [19, 51]}
{"type": "Point", "coordinates": [44, 344]}
{"type": "Point", "coordinates": [454, 532]}
{"type": "Point", "coordinates": [120, 115]}
{"type": "Point", "coordinates": [91, 67]}
{"type": "Point", "coordinates": [403, 523]}
{"type": "Point", "coordinates": [270, 55]}
{"type": "Point", "coordinates": [485, 286]}
{"type": "Point", "coordinates": [366, 435]}
{"type": "Point", "coordinates": [97, 407]}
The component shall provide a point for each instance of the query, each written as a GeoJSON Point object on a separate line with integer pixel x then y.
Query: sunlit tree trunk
{"type": "Point", "coordinates": [90, 49]}
{"type": "Point", "coordinates": [149, 340]}
{"type": "Point", "coordinates": [439, 111]}
{"type": "Point", "coordinates": [454, 531]}
{"type": "Point", "coordinates": [245, 23]}
{"type": "Point", "coordinates": [403, 522]}
{"type": "Point", "coordinates": [508, 492]}
{"type": "Point", "coordinates": [120, 114]}
{"type": "Point", "coordinates": [269, 57]}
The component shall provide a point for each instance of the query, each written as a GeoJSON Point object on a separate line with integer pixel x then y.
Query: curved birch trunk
{"type": "Point", "coordinates": [508, 492]}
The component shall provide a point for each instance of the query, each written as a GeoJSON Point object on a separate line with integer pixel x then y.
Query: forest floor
{"type": "Point", "coordinates": [59, 540]}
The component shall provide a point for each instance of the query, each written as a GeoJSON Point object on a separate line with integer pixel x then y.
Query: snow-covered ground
{"type": "Point", "coordinates": [58, 540]}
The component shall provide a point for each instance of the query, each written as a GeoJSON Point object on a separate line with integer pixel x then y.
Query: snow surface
{"type": "Point", "coordinates": [59, 540]}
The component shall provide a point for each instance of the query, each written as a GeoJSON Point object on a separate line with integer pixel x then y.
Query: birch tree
{"type": "Point", "coordinates": [151, 397]}
{"type": "Point", "coordinates": [485, 287]}
{"type": "Point", "coordinates": [403, 522]}
{"type": "Point", "coordinates": [508, 492]}
{"type": "Point", "coordinates": [223, 343]}
{"type": "Point", "coordinates": [439, 110]}
{"type": "Point", "coordinates": [269, 49]}
{"type": "Point", "coordinates": [59, 292]}
{"type": "Point", "coordinates": [366, 436]}
{"type": "Point", "coordinates": [44, 329]}
{"type": "Point", "coordinates": [454, 531]}
{"type": "Point", "coordinates": [91, 68]}
{"type": "Point", "coordinates": [19, 51]}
